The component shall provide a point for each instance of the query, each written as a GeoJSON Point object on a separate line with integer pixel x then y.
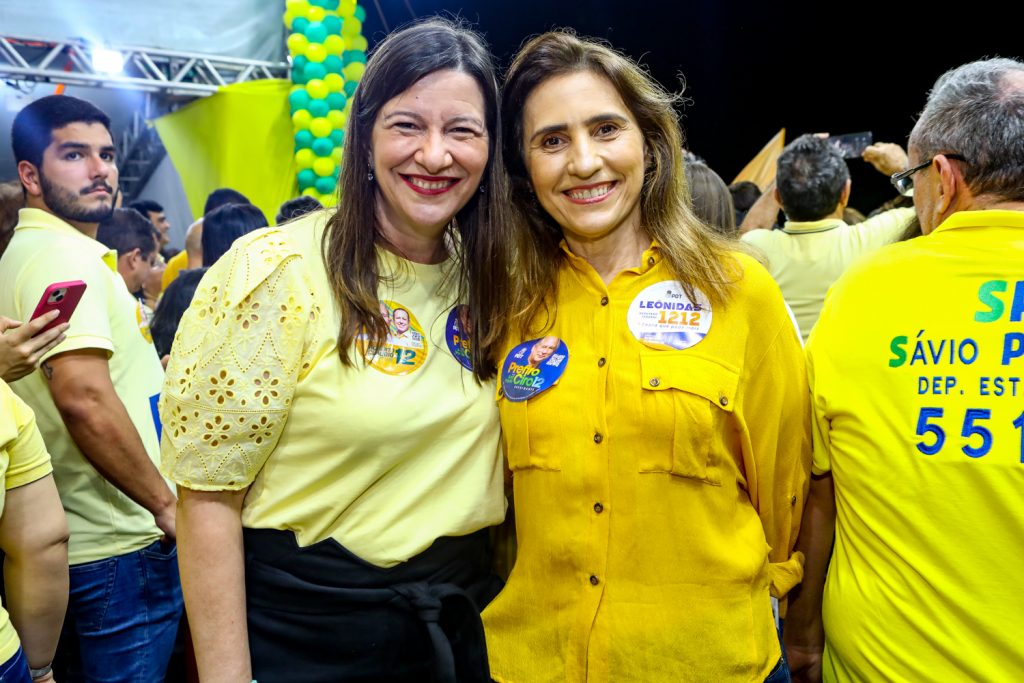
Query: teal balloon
{"type": "Point", "coordinates": [349, 56]}
{"type": "Point", "coordinates": [318, 108]}
{"type": "Point", "coordinates": [336, 100]}
{"type": "Point", "coordinates": [299, 100]}
{"type": "Point", "coordinates": [325, 185]}
{"type": "Point", "coordinates": [350, 87]}
{"type": "Point", "coordinates": [303, 139]}
{"type": "Point", "coordinates": [316, 32]}
{"type": "Point", "coordinates": [333, 64]}
{"type": "Point", "coordinates": [360, 13]}
{"type": "Point", "coordinates": [300, 61]}
{"type": "Point", "coordinates": [299, 76]}
{"type": "Point", "coordinates": [332, 24]}
{"type": "Point", "coordinates": [336, 173]}
{"type": "Point", "coordinates": [319, 3]}
{"type": "Point", "coordinates": [338, 137]}
{"type": "Point", "coordinates": [331, 4]}
{"type": "Point", "coordinates": [299, 24]}
{"type": "Point", "coordinates": [322, 147]}
{"type": "Point", "coordinates": [307, 178]}
{"type": "Point", "coordinates": [314, 71]}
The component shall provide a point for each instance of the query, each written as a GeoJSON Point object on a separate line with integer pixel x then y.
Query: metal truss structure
{"type": "Point", "coordinates": [170, 78]}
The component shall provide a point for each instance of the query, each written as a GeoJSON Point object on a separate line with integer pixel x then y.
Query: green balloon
{"type": "Point", "coordinates": [300, 61]}
{"type": "Point", "coordinates": [337, 101]}
{"type": "Point", "coordinates": [299, 76]}
{"type": "Point", "coordinates": [338, 137]}
{"type": "Point", "coordinates": [333, 64]}
{"type": "Point", "coordinates": [332, 24]}
{"type": "Point", "coordinates": [318, 3]}
{"type": "Point", "coordinates": [350, 87]}
{"type": "Point", "coordinates": [350, 56]}
{"type": "Point", "coordinates": [322, 147]}
{"type": "Point", "coordinates": [316, 32]}
{"type": "Point", "coordinates": [325, 185]}
{"type": "Point", "coordinates": [360, 13]}
{"type": "Point", "coordinates": [300, 24]}
{"type": "Point", "coordinates": [331, 4]}
{"type": "Point", "coordinates": [298, 100]}
{"type": "Point", "coordinates": [303, 139]}
{"type": "Point", "coordinates": [314, 71]}
{"type": "Point", "coordinates": [307, 178]}
{"type": "Point", "coordinates": [318, 108]}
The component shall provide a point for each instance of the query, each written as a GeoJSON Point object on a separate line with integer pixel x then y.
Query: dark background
{"type": "Point", "coordinates": [753, 68]}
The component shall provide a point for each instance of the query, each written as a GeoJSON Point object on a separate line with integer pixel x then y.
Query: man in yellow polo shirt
{"type": "Point", "coordinates": [94, 398]}
{"type": "Point", "coordinates": [815, 245]}
{"type": "Point", "coordinates": [917, 380]}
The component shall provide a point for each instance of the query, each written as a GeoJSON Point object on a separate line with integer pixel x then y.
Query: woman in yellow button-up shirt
{"type": "Point", "coordinates": [660, 464]}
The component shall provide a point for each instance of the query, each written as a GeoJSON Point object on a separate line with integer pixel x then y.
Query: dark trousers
{"type": "Point", "coordinates": [322, 615]}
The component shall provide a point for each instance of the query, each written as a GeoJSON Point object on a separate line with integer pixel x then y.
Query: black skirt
{"type": "Point", "coordinates": [323, 615]}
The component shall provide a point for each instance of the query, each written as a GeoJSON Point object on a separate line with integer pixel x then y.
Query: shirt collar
{"type": "Point", "coordinates": [37, 219]}
{"type": "Point", "coordinates": [807, 227]}
{"type": "Point", "coordinates": [983, 219]}
{"type": "Point", "coordinates": [650, 258]}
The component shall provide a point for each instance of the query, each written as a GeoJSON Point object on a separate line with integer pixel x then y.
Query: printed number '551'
{"type": "Point", "coordinates": [971, 428]}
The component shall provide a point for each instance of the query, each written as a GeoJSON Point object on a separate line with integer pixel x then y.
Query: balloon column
{"type": "Point", "coordinates": [328, 55]}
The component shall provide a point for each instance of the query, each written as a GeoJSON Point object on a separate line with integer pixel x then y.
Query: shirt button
{"type": "Point", "coordinates": [598, 508]}
{"type": "Point", "coordinates": [650, 261]}
{"type": "Point", "coordinates": [604, 301]}
{"type": "Point", "coordinates": [598, 438]}
{"type": "Point", "coordinates": [655, 381]}
{"type": "Point", "coordinates": [723, 400]}
{"type": "Point", "coordinates": [792, 501]}
{"type": "Point", "coordinates": [601, 362]}
{"type": "Point", "coordinates": [594, 580]}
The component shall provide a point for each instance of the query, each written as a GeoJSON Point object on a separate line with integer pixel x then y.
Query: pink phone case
{"type": "Point", "coordinates": [61, 296]}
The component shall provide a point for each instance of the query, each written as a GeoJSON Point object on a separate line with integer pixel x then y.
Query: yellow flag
{"type": "Point", "coordinates": [761, 169]}
{"type": "Point", "coordinates": [241, 137]}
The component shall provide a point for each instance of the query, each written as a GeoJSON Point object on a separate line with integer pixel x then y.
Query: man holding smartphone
{"type": "Point", "coordinates": [94, 398]}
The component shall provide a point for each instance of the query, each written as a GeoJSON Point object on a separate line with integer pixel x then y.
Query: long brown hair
{"type": "Point", "coordinates": [695, 256]}
{"type": "Point", "coordinates": [352, 235]}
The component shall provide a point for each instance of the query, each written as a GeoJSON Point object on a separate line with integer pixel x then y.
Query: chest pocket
{"type": "Point", "coordinates": [687, 400]}
{"type": "Point", "coordinates": [522, 451]}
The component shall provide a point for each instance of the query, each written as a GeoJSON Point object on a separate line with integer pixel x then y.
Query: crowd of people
{"type": "Point", "coordinates": [532, 403]}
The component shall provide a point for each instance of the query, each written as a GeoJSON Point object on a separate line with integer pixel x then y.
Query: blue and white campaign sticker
{"type": "Point", "coordinates": [456, 335]}
{"type": "Point", "coordinates": [664, 315]}
{"type": "Point", "coordinates": [532, 367]}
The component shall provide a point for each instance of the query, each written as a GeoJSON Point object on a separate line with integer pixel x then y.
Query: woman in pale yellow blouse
{"type": "Point", "coordinates": [336, 477]}
{"type": "Point", "coordinates": [658, 482]}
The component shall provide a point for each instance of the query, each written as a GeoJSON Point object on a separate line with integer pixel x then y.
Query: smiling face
{"type": "Point", "coordinates": [585, 156]}
{"type": "Point", "coordinates": [401, 317]}
{"type": "Point", "coordinates": [542, 350]}
{"type": "Point", "coordinates": [78, 175]}
{"type": "Point", "coordinates": [429, 148]}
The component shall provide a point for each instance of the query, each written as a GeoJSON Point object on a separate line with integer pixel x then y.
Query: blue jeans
{"type": "Point", "coordinates": [15, 669]}
{"type": "Point", "coordinates": [123, 615]}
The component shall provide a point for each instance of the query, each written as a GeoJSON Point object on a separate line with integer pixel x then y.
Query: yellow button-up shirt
{"type": "Point", "coordinates": [658, 492]}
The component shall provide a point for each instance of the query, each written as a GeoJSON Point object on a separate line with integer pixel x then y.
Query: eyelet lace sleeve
{"type": "Point", "coordinates": [238, 353]}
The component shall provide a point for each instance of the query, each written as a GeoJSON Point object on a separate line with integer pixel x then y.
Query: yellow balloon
{"type": "Point", "coordinates": [323, 166]}
{"type": "Point", "coordinates": [358, 43]}
{"type": "Point", "coordinates": [315, 52]}
{"type": "Point", "coordinates": [305, 158]}
{"type": "Point", "coordinates": [297, 44]}
{"type": "Point", "coordinates": [311, 192]}
{"type": "Point", "coordinates": [316, 14]}
{"type": "Point", "coordinates": [289, 17]}
{"type": "Point", "coordinates": [302, 119]}
{"type": "Point", "coordinates": [351, 27]}
{"type": "Point", "coordinates": [346, 8]}
{"type": "Point", "coordinates": [337, 119]}
{"type": "Point", "coordinates": [317, 89]}
{"type": "Point", "coordinates": [321, 128]}
{"type": "Point", "coordinates": [336, 155]}
{"type": "Point", "coordinates": [354, 71]}
{"type": "Point", "coordinates": [334, 45]}
{"type": "Point", "coordinates": [348, 108]}
{"type": "Point", "coordinates": [296, 87]}
{"type": "Point", "coordinates": [297, 7]}
{"type": "Point", "coordinates": [328, 199]}
{"type": "Point", "coordinates": [334, 83]}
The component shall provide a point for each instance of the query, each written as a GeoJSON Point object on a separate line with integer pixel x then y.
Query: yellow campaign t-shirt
{"type": "Point", "coordinates": [102, 520]}
{"type": "Point", "coordinates": [23, 460]}
{"type": "Point", "coordinates": [175, 265]}
{"type": "Point", "coordinates": [384, 457]}
{"type": "Point", "coordinates": [658, 482]}
{"type": "Point", "coordinates": [805, 258]}
{"type": "Point", "coordinates": [917, 378]}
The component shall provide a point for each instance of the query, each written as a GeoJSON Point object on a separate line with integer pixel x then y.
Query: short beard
{"type": "Point", "coordinates": [67, 206]}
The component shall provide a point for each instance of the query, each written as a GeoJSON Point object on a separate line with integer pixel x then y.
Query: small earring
{"type": "Point", "coordinates": [369, 175]}
{"type": "Point", "coordinates": [483, 185]}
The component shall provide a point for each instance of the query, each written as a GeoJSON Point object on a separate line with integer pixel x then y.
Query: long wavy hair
{"type": "Point", "coordinates": [695, 255]}
{"type": "Point", "coordinates": [352, 236]}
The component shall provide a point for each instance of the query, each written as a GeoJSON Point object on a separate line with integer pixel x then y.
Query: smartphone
{"type": "Point", "coordinates": [60, 296]}
{"type": "Point", "coordinates": [851, 145]}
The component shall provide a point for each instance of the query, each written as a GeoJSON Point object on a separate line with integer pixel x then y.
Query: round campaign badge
{"type": "Point", "coordinates": [663, 315]}
{"type": "Point", "coordinates": [532, 367]}
{"type": "Point", "coordinates": [456, 335]}
{"type": "Point", "coordinates": [406, 348]}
